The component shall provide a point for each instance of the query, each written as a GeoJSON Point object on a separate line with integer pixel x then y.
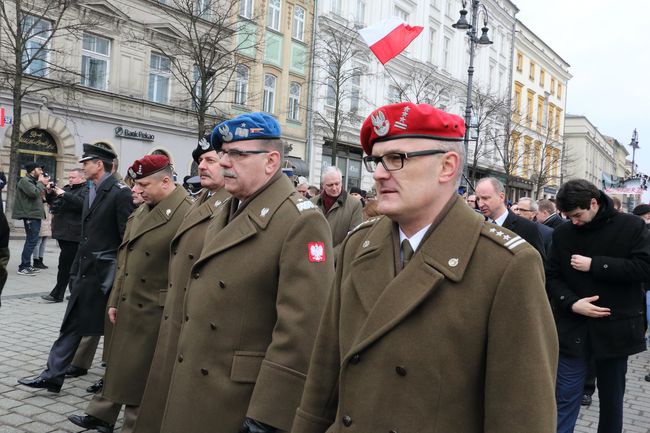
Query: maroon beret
{"type": "Point", "coordinates": [406, 119]}
{"type": "Point", "coordinates": [148, 165]}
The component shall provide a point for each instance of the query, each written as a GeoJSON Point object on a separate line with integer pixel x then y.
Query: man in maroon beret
{"type": "Point", "coordinates": [138, 295]}
{"type": "Point", "coordinates": [437, 319]}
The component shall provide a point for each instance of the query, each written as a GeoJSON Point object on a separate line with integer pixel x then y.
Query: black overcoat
{"type": "Point", "coordinates": [619, 246]}
{"type": "Point", "coordinates": [66, 212]}
{"type": "Point", "coordinates": [93, 269]}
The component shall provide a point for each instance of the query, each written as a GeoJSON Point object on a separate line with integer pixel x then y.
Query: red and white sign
{"type": "Point", "coordinates": [390, 37]}
{"type": "Point", "coordinates": [2, 117]}
{"type": "Point", "coordinates": [316, 252]}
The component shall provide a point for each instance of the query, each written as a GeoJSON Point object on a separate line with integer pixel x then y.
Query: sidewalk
{"type": "Point", "coordinates": [29, 326]}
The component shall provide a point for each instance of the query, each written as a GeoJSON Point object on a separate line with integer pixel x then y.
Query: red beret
{"type": "Point", "coordinates": [148, 165]}
{"type": "Point", "coordinates": [406, 119]}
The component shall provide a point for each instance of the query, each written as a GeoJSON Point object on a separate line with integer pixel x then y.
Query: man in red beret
{"type": "Point", "coordinates": [437, 319]}
{"type": "Point", "coordinates": [137, 298]}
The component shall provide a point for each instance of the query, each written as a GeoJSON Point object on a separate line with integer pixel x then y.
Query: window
{"type": "Point", "coordinates": [246, 8]}
{"type": "Point", "coordinates": [518, 87]}
{"type": "Point", "coordinates": [552, 86]}
{"type": "Point", "coordinates": [241, 85]}
{"type": "Point", "coordinates": [355, 91]}
{"type": "Point", "coordinates": [298, 27]}
{"type": "Point", "coordinates": [159, 78]}
{"type": "Point", "coordinates": [269, 93]}
{"type": "Point", "coordinates": [203, 8]}
{"type": "Point", "coordinates": [529, 107]}
{"type": "Point", "coordinates": [449, 11]}
{"type": "Point", "coordinates": [542, 77]}
{"type": "Point", "coordinates": [294, 101]}
{"type": "Point", "coordinates": [558, 114]}
{"type": "Point", "coordinates": [540, 111]}
{"type": "Point", "coordinates": [335, 6]}
{"type": "Point", "coordinates": [273, 17]}
{"type": "Point", "coordinates": [95, 52]}
{"type": "Point", "coordinates": [401, 14]}
{"type": "Point", "coordinates": [361, 11]}
{"type": "Point", "coordinates": [34, 58]}
{"type": "Point", "coordinates": [196, 77]}
{"type": "Point", "coordinates": [551, 112]}
{"type": "Point", "coordinates": [433, 36]}
{"type": "Point", "coordinates": [330, 98]}
{"type": "Point", "coordinates": [531, 72]}
{"type": "Point", "coordinates": [559, 91]}
{"type": "Point", "coordinates": [520, 62]}
{"type": "Point", "coordinates": [445, 53]}
{"type": "Point", "coordinates": [528, 147]}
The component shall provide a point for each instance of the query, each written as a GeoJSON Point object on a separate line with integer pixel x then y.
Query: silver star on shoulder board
{"type": "Point", "coordinates": [365, 244]}
{"type": "Point", "coordinates": [492, 230]}
{"type": "Point", "coordinates": [168, 212]}
{"type": "Point", "coordinates": [264, 211]}
{"type": "Point", "coordinates": [506, 237]}
{"type": "Point", "coordinates": [499, 233]}
{"type": "Point", "coordinates": [217, 203]}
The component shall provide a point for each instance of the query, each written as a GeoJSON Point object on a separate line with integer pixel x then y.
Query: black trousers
{"type": "Point", "coordinates": [66, 257]}
{"type": "Point", "coordinates": [62, 353]}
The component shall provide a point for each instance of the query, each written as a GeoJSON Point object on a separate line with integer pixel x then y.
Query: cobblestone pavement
{"type": "Point", "coordinates": [29, 325]}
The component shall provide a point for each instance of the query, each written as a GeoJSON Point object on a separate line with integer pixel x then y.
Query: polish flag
{"type": "Point", "coordinates": [389, 38]}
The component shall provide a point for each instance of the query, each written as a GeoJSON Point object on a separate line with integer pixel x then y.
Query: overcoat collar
{"type": "Point", "coordinates": [389, 298]}
{"type": "Point", "coordinates": [102, 190]}
{"type": "Point", "coordinates": [202, 210]}
{"type": "Point", "coordinates": [149, 219]}
{"type": "Point", "coordinates": [254, 217]}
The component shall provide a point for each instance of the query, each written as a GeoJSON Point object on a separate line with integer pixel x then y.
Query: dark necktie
{"type": "Point", "coordinates": [407, 252]}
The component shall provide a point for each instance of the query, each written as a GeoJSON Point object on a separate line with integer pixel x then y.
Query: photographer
{"type": "Point", "coordinates": [66, 205]}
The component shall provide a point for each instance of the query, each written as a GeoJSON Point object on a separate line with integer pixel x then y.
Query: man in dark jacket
{"type": "Point", "coordinates": [28, 206]}
{"type": "Point", "coordinates": [66, 205]}
{"type": "Point", "coordinates": [595, 276]}
{"type": "Point", "coordinates": [105, 211]}
{"type": "Point", "coordinates": [547, 214]}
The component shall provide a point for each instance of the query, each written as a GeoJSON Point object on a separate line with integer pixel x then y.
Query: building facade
{"type": "Point", "coordinates": [592, 156]}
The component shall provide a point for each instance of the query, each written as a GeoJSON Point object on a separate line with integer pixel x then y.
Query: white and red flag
{"type": "Point", "coordinates": [390, 37]}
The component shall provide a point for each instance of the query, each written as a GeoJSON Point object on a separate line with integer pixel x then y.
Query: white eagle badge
{"type": "Point", "coordinates": [316, 252]}
{"type": "Point", "coordinates": [380, 124]}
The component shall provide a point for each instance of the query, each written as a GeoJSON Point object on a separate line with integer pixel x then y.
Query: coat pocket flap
{"type": "Point", "coordinates": [246, 366]}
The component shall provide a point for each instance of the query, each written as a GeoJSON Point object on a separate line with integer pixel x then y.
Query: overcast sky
{"type": "Point", "coordinates": [607, 46]}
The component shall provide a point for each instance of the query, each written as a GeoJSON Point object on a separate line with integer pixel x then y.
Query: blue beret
{"type": "Point", "coordinates": [249, 126]}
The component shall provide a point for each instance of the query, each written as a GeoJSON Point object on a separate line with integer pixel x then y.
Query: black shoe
{"type": "Point", "coordinates": [586, 400]}
{"type": "Point", "coordinates": [74, 371]}
{"type": "Point", "coordinates": [38, 264]}
{"type": "Point", "coordinates": [96, 387]}
{"type": "Point", "coordinates": [50, 298]}
{"type": "Point", "coordinates": [39, 382]}
{"type": "Point", "coordinates": [89, 422]}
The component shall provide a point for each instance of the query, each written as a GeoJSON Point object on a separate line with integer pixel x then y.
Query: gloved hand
{"type": "Point", "coordinates": [251, 426]}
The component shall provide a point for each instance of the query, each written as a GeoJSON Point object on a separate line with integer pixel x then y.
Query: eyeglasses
{"type": "Point", "coordinates": [236, 154]}
{"type": "Point", "coordinates": [395, 161]}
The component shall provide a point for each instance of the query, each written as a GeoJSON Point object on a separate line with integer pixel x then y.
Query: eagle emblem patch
{"type": "Point", "coordinates": [316, 252]}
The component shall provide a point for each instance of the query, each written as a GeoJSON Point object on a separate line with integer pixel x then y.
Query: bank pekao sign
{"type": "Point", "coordinates": [133, 134]}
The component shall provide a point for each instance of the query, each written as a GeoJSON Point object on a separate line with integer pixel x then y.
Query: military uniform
{"type": "Point", "coordinates": [250, 315]}
{"type": "Point", "coordinates": [461, 340]}
{"type": "Point", "coordinates": [185, 250]}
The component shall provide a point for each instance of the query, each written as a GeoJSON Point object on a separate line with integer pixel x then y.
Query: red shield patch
{"type": "Point", "coordinates": [316, 252]}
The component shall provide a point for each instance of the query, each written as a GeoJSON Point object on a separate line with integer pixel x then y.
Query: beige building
{"type": "Point", "coordinates": [539, 90]}
{"type": "Point", "coordinates": [591, 154]}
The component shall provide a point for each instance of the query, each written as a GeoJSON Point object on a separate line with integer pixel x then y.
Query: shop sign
{"type": "Point", "coordinates": [133, 134]}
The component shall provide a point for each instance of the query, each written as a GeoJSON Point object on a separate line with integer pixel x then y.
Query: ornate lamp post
{"type": "Point", "coordinates": [635, 145]}
{"type": "Point", "coordinates": [463, 24]}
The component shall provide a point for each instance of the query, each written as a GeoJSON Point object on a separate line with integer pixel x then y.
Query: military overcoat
{"type": "Point", "coordinates": [461, 340]}
{"type": "Point", "coordinates": [138, 296]}
{"type": "Point", "coordinates": [250, 316]}
{"type": "Point", "coordinates": [345, 214]}
{"type": "Point", "coordinates": [185, 250]}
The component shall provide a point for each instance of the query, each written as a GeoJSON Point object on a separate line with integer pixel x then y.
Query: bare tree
{"type": "Point", "coordinates": [340, 57]}
{"type": "Point", "coordinates": [31, 60]}
{"type": "Point", "coordinates": [423, 85]}
{"type": "Point", "coordinates": [211, 44]}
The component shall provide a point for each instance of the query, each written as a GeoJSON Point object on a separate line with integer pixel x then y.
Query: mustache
{"type": "Point", "coordinates": [228, 173]}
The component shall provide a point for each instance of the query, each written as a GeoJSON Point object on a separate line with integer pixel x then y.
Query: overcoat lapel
{"type": "Point", "coordinates": [101, 192]}
{"type": "Point", "coordinates": [204, 211]}
{"type": "Point", "coordinates": [389, 300]}
{"type": "Point", "coordinates": [159, 215]}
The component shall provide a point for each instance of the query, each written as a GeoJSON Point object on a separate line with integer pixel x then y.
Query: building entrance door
{"type": "Point", "coordinates": [37, 145]}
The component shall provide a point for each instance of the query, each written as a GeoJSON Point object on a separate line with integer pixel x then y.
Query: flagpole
{"type": "Point", "coordinates": [397, 83]}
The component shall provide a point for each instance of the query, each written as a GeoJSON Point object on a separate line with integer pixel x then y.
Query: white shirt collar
{"type": "Point", "coordinates": [415, 239]}
{"type": "Point", "coordinates": [499, 221]}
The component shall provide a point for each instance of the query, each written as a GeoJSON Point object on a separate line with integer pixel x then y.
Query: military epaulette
{"type": "Point", "coordinates": [301, 203]}
{"type": "Point", "coordinates": [505, 238]}
{"type": "Point", "coordinates": [367, 223]}
{"type": "Point", "coordinates": [121, 185]}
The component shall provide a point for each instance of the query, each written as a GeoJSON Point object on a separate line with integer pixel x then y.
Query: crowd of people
{"type": "Point", "coordinates": [256, 305]}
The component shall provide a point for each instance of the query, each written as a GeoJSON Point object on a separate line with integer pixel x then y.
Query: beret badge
{"type": "Point", "coordinates": [380, 124]}
{"type": "Point", "coordinates": [225, 133]}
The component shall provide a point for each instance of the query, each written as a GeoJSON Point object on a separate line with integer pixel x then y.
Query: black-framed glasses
{"type": "Point", "coordinates": [237, 154]}
{"type": "Point", "coordinates": [395, 160]}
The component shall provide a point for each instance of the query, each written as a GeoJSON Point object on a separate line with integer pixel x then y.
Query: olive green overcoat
{"type": "Point", "coordinates": [251, 313]}
{"type": "Point", "coordinates": [462, 340]}
{"type": "Point", "coordinates": [345, 214]}
{"type": "Point", "coordinates": [138, 296]}
{"type": "Point", "coordinates": [185, 250]}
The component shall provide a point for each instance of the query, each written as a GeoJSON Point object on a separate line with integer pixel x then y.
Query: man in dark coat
{"type": "Point", "coordinates": [547, 214]}
{"type": "Point", "coordinates": [490, 194]}
{"type": "Point", "coordinates": [66, 205]}
{"type": "Point", "coordinates": [106, 209]}
{"type": "Point", "coordinates": [595, 276]}
{"type": "Point", "coordinates": [527, 208]}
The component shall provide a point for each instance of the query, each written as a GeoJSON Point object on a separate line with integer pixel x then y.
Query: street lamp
{"type": "Point", "coordinates": [463, 24]}
{"type": "Point", "coordinates": [634, 143]}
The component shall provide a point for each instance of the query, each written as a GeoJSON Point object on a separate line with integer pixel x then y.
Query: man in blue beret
{"type": "Point", "coordinates": [255, 294]}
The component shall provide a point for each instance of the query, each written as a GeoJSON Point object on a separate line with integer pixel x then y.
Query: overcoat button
{"type": "Point", "coordinates": [196, 275]}
{"type": "Point", "coordinates": [355, 359]}
{"type": "Point", "coordinates": [126, 274]}
{"type": "Point", "coordinates": [578, 340]}
{"type": "Point", "coordinates": [175, 252]}
{"type": "Point", "coordinates": [400, 370]}
{"type": "Point", "coordinates": [347, 420]}
{"type": "Point", "coordinates": [147, 253]}
{"type": "Point", "coordinates": [562, 298]}
{"type": "Point", "coordinates": [605, 266]}
{"type": "Point", "coordinates": [143, 280]}
{"type": "Point", "coordinates": [170, 284]}
{"type": "Point", "coordinates": [191, 256]}
{"type": "Point", "coordinates": [213, 326]}
{"type": "Point", "coordinates": [85, 257]}
{"type": "Point", "coordinates": [187, 318]}
{"type": "Point", "coordinates": [83, 276]}
{"type": "Point", "coordinates": [131, 248]}
{"type": "Point", "coordinates": [124, 298]}
{"type": "Point", "coordinates": [185, 289]}
{"type": "Point", "coordinates": [222, 284]}
{"type": "Point", "coordinates": [166, 317]}
{"type": "Point", "coordinates": [140, 305]}
{"type": "Point", "coordinates": [204, 372]}
{"type": "Point", "coordinates": [180, 358]}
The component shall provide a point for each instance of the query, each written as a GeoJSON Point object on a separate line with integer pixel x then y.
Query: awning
{"type": "Point", "coordinates": [299, 166]}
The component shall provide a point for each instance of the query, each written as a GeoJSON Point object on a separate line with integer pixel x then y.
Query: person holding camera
{"type": "Point", "coordinates": [66, 205]}
{"type": "Point", "coordinates": [28, 206]}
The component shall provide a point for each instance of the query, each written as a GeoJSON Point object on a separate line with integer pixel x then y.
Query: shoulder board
{"type": "Point", "coordinates": [301, 203]}
{"type": "Point", "coordinates": [122, 185]}
{"type": "Point", "coordinates": [367, 223]}
{"type": "Point", "coordinates": [503, 237]}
